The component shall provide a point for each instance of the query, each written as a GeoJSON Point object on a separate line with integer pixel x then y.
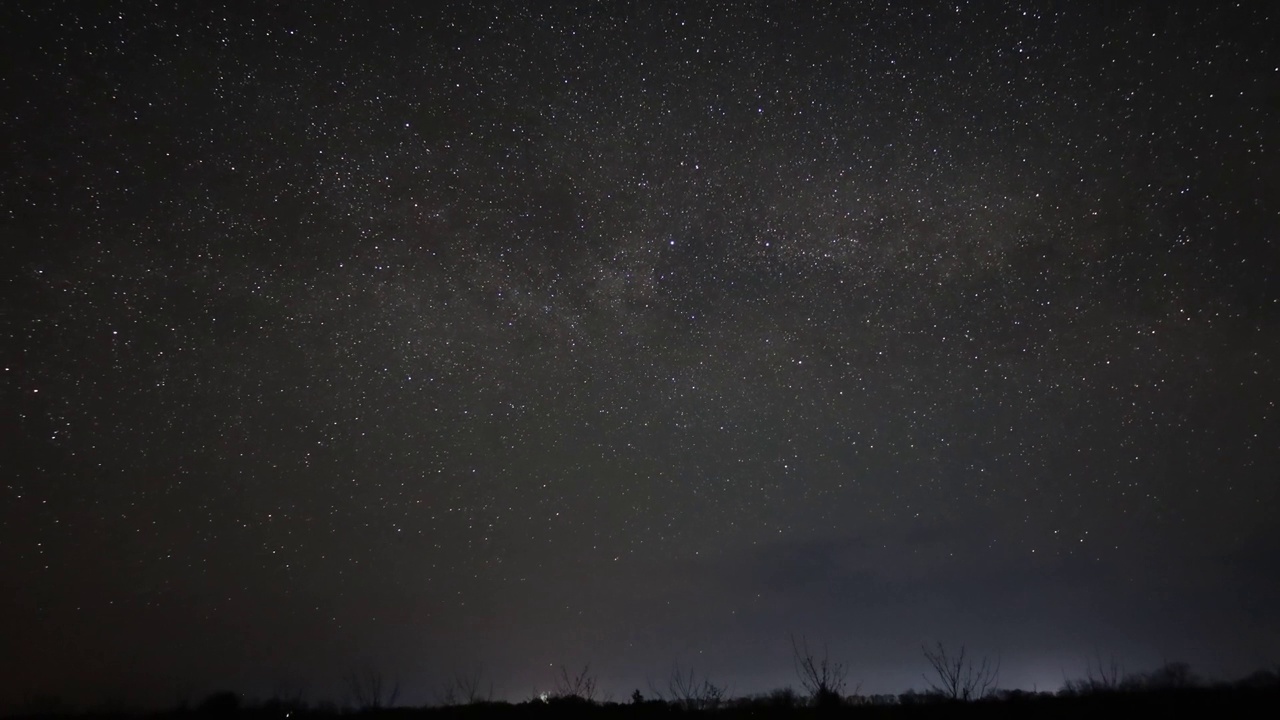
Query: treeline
{"type": "Point", "coordinates": [957, 685]}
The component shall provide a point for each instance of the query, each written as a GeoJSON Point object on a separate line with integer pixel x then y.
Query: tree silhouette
{"type": "Point", "coordinates": [1103, 678]}
{"type": "Point", "coordinates": [959, 677]}
{"type": "Point", "coordinates": [580, 687]}
{"type": "Point", "coordinates": [369, 690]}
{"type": "Point", "coordinates": [466, 689]}
{"type": "Point", "coordinates": [691, 692]}
{"type": "Point", "coordinates": [1172, 676]}
{"type": "Point", "coordinates": [224, 702]}
{"type": "Point", "coordinates": [823, 679]}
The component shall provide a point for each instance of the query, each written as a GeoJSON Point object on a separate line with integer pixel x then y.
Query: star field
{"type": "Point", "coordinates": [347, 335]}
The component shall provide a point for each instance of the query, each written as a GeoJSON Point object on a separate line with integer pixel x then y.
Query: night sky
{"type": "Point", "coordinates": [418, 337]}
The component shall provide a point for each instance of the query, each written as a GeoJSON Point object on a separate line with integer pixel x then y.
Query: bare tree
{"type": "Point", "coordinates": [1099, 679]}
{"type": "Point", "coordinates": [1171, 675]}
{"type": "Point", "coordinates": [959, 677]}
{"type": "Point", "coordinates": [369, 690]}
{"type": "Point", "coordinates": [581, 686]}
{"type": "Point", "coordinates": [823, 679]}
{"type": "Point", "coordinates": [466, 689]}
{"type": "Point", "coordinates": [691, 692]}
{"type": "Point", "coordinates": [287, 697]}
{"type": "Point", "coordinates": [1107, 677]}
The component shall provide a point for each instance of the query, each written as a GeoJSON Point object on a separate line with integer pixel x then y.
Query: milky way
{"type": "Point", "coordinates": [413, 338]}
